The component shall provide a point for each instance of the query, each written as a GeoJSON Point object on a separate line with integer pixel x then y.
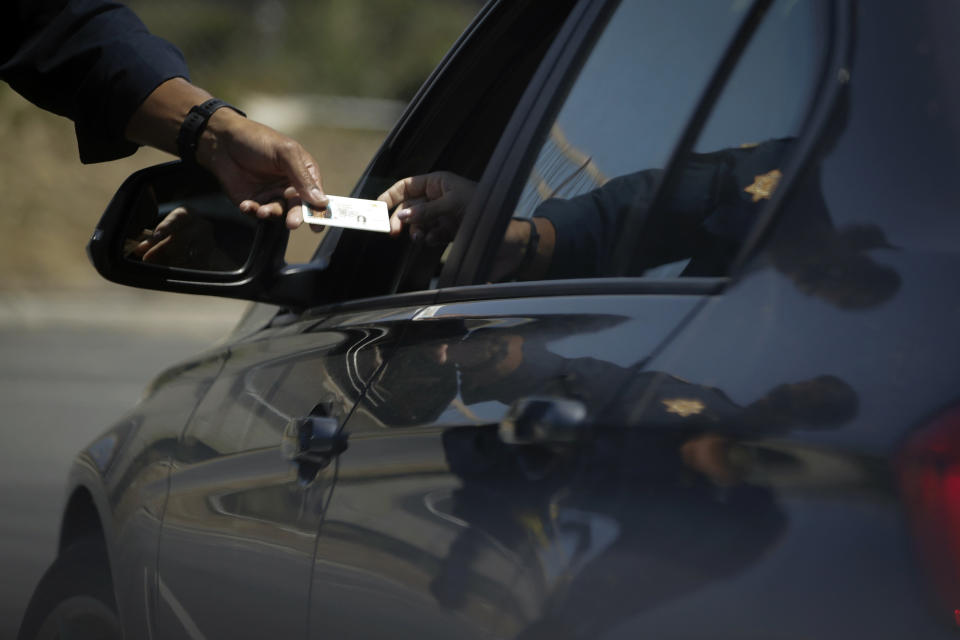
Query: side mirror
{"type": "Point", "coordinates": [171, 228]}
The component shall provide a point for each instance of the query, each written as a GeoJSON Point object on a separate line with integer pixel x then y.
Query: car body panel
{"type": "Point", "coordinates": [241, 518]}
{"type": "Point", "coordinates": [125, 471]}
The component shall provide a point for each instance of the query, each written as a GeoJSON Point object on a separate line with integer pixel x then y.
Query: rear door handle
{"type": "Point", "coordinates": [543, 420]}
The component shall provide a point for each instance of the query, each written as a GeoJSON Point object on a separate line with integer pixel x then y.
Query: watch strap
{"type": "Point", "coordinates": [193, 125]}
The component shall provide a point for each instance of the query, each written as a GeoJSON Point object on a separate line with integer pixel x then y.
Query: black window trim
{"type": "Point", "coordinates": [500, 183]}
{"type": "Point", "coordinates": [582, 286]}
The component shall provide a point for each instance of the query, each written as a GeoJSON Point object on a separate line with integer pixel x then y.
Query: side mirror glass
{"type": "Point", "coordinates": [204, 232]}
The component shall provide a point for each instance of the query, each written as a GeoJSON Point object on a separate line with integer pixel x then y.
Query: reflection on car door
{"type": "Point", "coordinates": [447, 527]}
{"type": "Point", "coordinates": [241, 519]}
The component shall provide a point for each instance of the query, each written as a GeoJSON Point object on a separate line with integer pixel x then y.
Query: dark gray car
{"type": "Point", "coordinates": [728, 408]}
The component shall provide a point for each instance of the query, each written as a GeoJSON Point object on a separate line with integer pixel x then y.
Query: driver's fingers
{"type": "Point", "coordinates": [406, 189]}
{"type": "Point", "coordinates": [429, 213]}
{"type": "Point", "coordinates": [400, 216]}
{"type": "Point", "coordinates": [396, 225]}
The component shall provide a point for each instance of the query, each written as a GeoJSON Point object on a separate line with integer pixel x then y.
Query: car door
{"type": "Point", "coordinates": [492, 487]}
{"type": "Point", "coordinates": [249, 478]}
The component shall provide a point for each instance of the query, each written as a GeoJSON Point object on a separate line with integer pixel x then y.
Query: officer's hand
{"type": "Point", "coordinates": [263, 171]}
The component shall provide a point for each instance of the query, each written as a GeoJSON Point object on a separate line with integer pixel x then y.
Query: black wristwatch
{"type": "Point", "coordinates": [193, 126]}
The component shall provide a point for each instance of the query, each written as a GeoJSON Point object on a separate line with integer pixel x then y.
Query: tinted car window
{"type": "Point", "coordinates": [632, 98]}
{"type": "Point", "coordinates": [603, 160]}
{"type": "Point", "coordinates": [720, 187]}
{"type": "Point", "coordinates": [768, 94]}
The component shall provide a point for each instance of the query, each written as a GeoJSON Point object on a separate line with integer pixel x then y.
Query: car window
{"type": "Point", "coordinates": [592, 194]}
{"type": "Point", "coordinates": [455, 126]}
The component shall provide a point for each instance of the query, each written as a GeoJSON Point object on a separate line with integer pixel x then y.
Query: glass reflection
{"type": "Point", "coordinates": [201, 233]}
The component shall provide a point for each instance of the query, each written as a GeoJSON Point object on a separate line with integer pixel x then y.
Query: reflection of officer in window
{"type": "Point", "coordinates": [704, 219]}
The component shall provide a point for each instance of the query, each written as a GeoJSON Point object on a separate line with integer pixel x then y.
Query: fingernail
{"type": "Point", "coordinates": [317, 195]}
{"type": "Point", "coordinates": [403, 214]}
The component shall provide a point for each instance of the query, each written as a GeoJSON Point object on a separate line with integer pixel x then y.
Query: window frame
{"type": "Point", "coordinates": [502, 180]}
{"type": "Point", "coordinates": [480, 233]}
{"type": "Point", "coordinates": [358, 266]}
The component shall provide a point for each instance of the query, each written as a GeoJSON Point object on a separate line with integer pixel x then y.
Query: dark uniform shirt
{"type": "Point", "coordinates": [92, 61]}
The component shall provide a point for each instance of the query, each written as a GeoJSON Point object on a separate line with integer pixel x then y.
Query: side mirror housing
{"type": "Point", "coordinates": [171, 228]}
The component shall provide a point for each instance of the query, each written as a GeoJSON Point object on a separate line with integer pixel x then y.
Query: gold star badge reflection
{"type": "Point", "coordinates": [764, 185]}
{"type": "Point", "coordinates": [683, 407]}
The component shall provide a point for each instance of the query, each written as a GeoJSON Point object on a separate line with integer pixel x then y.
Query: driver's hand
{"type": "Point", "coordinates": [431, 205]}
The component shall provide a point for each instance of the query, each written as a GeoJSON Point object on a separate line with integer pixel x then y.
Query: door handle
{"type": "Point", "coordinates": [313, 440]}
{"type": "Point", "coordinates": [543, 420]}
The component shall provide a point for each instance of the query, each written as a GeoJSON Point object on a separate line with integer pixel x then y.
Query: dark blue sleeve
{"type": "Point", "coordinates": [92, 61]}
{"type": "Point", "coordinates": [587, 224]}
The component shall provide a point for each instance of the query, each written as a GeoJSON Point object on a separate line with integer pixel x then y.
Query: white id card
{"type": "Point", "coordinates": [352, 213]}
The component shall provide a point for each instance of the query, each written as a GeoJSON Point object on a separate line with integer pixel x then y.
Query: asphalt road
{"type": "Point", "coordinates": [69, 367]}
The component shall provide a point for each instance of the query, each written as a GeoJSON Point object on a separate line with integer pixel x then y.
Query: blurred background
{"type": "Point", "coordinates": [332, 73]}
{"type": "Point", "coordinates": [76, 351]}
